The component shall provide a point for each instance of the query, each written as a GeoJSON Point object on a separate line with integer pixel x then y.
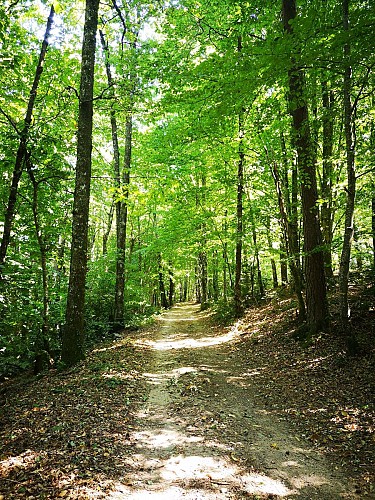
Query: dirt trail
{"type": "Point", "coordinates": [200, 434]}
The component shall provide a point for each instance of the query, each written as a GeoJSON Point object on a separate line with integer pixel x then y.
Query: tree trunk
{"type": "Point", "coordinates": [122, 219]}
{"type": "Point", "coordinates": [107, 229]}
{"type": "Point", "coordinates": [122, 201]}
{"type": "Point", "coordinates": [351, 178]}
{"type": "Point", "coordinates": [203, 275]}
{"type": "Point", "coordinates": [372, 145]}
{"type": "Point", "coordinates": [115, 142]}
{"type": "Point", "coordinates": [171, 286]}
{"type": "Point", "coordinates": [215, 276]}
{"type": "Point", "coordinates": [256, 254]}
{"type": "Point", "coordinates": [74, 330]}
{"type": "Point", "coordinates": [290, 242]}
{"type": "Point", "coordinates": [42, 341]}
{"type": "Point", "coordinates": [288, 204]}
{"type": "Point", "coordinates": [163, 295]}
{"type": "Point", "coordinates": [185, 289]}
{"type": "Point", "coordinates": [273, 263]}
{"type": "Point", "coordinates": [21, 152]}
{"type": "Point", "coordinates": [238, 303]}
{"type": "Point", "coordinates": [316, 290]}
{"type": "Point", "coordinates": [227, 272]}
{"type": "Point", "coordinates": [326, 184]}
{"type": "Point", "coordinates": [283, 261]}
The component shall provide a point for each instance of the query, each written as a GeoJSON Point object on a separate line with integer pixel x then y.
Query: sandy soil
{"type": "Point", "coordinates": [201, 434]}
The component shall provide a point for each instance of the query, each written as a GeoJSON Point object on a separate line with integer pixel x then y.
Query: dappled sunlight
{"type": "Point", "coordinates": [186, 472]}
{"type": "Point", "coordinates": [172, 375]}
{"type": "Point", "coordinates": [190, 343]}
{"type": "Point", "coordinates": [167, 493]}
{"type": "Point", "coordinates": [163, 438]}
{"type": "Point", "coordinates": [173, 320]}
{"type": "Point", "coordinates": [120, 375]}
{"type": "Point", "coordinates": [22, 461]}
{"type": "Point", "coordinates": [197, 467]}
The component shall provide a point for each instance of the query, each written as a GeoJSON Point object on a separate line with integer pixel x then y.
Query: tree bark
{"type": "Point", "coordinates": [215, 276]}
{"type": "Point", "coordinates": [283, 261]}
{"type": "Point", "coordinates": [163, 294]}
{"type": "Point", "coordinates": [121, 226]}
{"type": "Point", "coordinates": [171, 286]}
{"type": "Point", "coordinates": [115, 142]}
{"type": "Point", "coordinates": [351, 177]}
{"type": "Point", "coordinates": [256, 253]}
{"type": "Point", "coordinates": [326, 184]}
{"type": "Point", "coordinates": [290, 242]}
{"type": "Point", "coordinates": [238, 302]}
{"type": "Point", "coordinates": [107, 229]}
{"type": "Point", "coordinates": [22, 148]}
{"type": "Point", "coordinates": [42, 341]}
{"type": "Point", "coordinates": [74, 329]}
{"type": "Point", "coordinates": [273, 263]}
{"type": "Point", "coordinates": [316, 290]}
{"type": "Point", "coordinates": [202, 261]}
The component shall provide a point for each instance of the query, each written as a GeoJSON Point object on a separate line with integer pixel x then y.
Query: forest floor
{"type": "Point", "coordinates": [189, 409]}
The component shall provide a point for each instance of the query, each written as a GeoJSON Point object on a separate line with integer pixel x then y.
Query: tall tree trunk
{"type": "Point", "coordinates": [203, 275]}
{"type": "Point", "coordinates": [74, 330]}
{"type": "Point", "coordinates": [316, 290]}
{"type": "Point", "coordinates": [202, 272]}
{"type": "Point", "coordinates": [227, 271]}
{"type": "Point", "coordinates": [351, 178]}
{"type": "Point", "coordinates": [288, 204]}
{"type": "Point", "coordinates": [238, 302]}
{"type": "Point", "coordinates": [215, 276]}
{"type": "Point", "coordinates": [115, 141]}
{"type": "Point", "coordinates": [122, 186]}
{"type": "Point", "coordinates": [163, 294]}
{"type": "Point", "coordinates": [122, 208]}
{"type": "Point", "coordinates": [21, 152]}
{"type": "Point", "coordinates": [107, 228]}
{"type": "Point", "coordinates": [283, 261]}
{"type": "Point", "coordinates": [326, 184]}
{"type": "Point", "coordinates": [290, 243]}
{"type": "Point", "coordinates": [171, 286]}
{"type": "Point", "coordinates": [42, 341]}
{"type": "Point", "coordinates": [372, 145]}
{"type": "Point", "coordinates": [121, 226]}
{"type": "Point", "coordinates": [273, 263]}
{"type": "Point", "coordinates": [185, 289]}
{"type": "Point", "coordinates": [256, 253]}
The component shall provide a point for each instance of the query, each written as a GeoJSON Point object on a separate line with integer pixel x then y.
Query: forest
{"type": "Point", "coordinates": [170, 151]}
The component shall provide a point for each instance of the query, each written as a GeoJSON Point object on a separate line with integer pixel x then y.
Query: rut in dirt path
{"type": "Point", "coordinates": [200, 436]}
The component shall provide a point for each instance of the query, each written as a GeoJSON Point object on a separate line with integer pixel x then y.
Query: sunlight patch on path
{"type": "Point", "coordinates": [190, 343]}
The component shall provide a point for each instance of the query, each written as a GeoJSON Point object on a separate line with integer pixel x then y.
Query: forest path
{"type": "Point", "coordinates": [200, 434]}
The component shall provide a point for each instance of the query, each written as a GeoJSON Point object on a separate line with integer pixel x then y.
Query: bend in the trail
{"type": "Point", "coordinates": [200, 434]}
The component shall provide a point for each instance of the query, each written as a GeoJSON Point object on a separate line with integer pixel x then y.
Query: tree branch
{"type": "Point", "coordinates": [10, 120]}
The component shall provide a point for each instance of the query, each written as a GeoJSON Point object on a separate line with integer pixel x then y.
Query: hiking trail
{"type": "Point", "coordinates": [200, 434]}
